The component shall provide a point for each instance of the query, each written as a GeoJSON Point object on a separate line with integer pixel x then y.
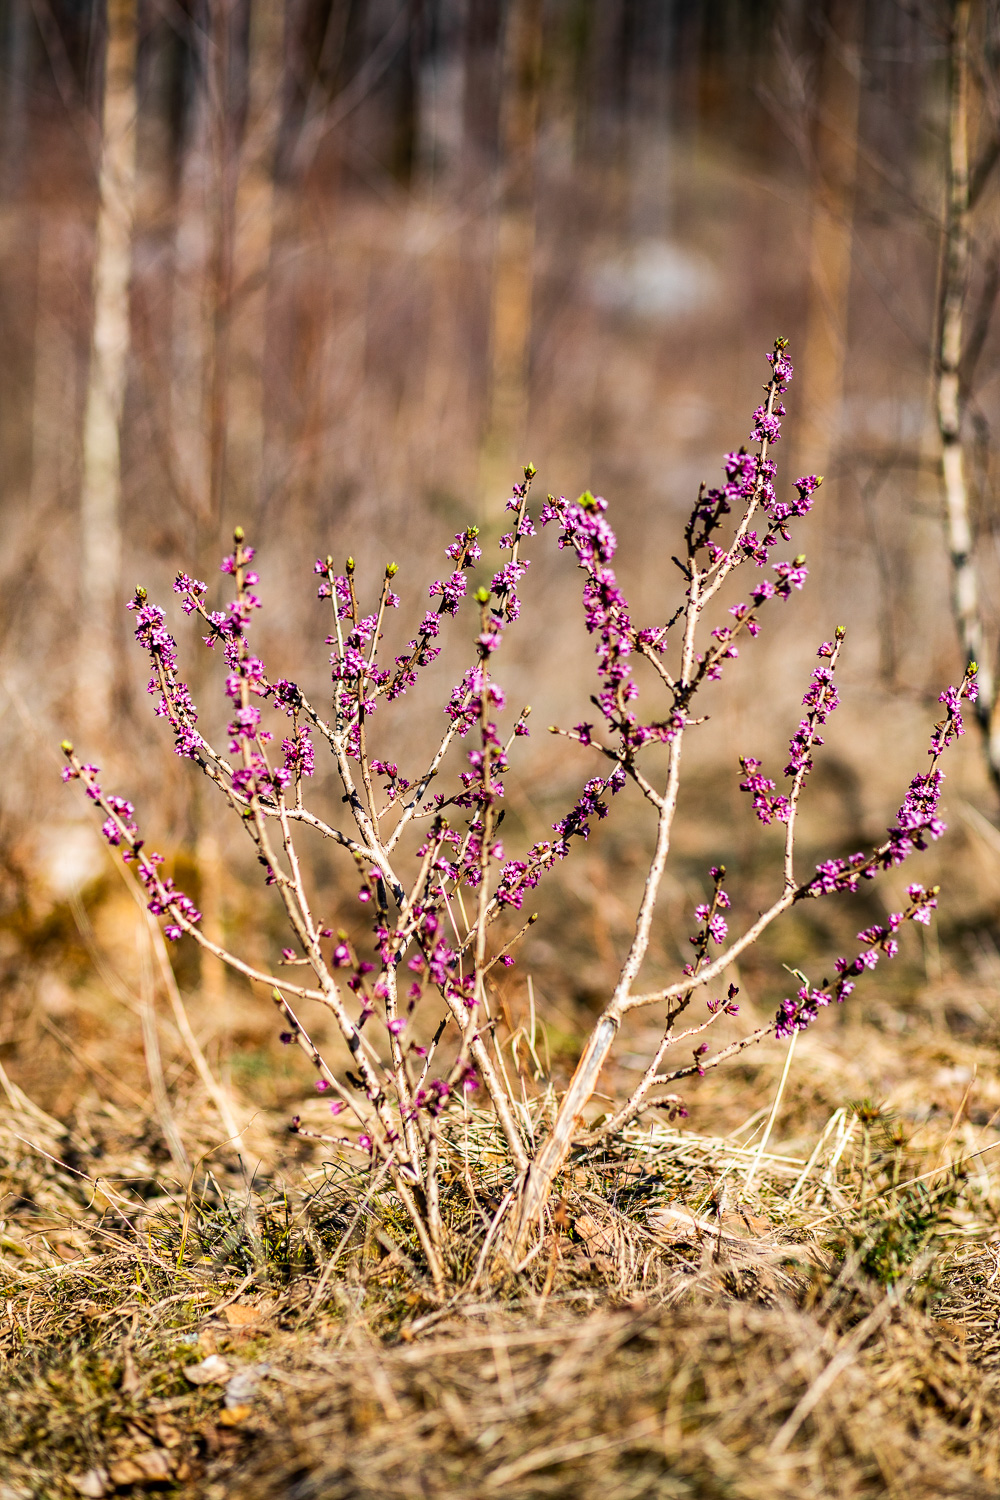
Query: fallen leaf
{"type": "Point", "coordinates": [154, 1463]}
{"type": "Point", "coordinates": [598, 1238]}
{"type": "Point", "coordinates": [94, 1484]}
{"type": "Point", "coordinates": [148, 1467]}
{"type": "Point", "coordinates": [211, 1371]}
{"type": "Point", "coordinates": [753, 1224]}
{"type": "Point", "coordinates": [241, 1314]}
{"type": "Point", "coordinates": [243, 1386]}
{"type": "Point", "coordinates": [232, 1416]}
{"type": "Point", "coordinates": [681, 1224]}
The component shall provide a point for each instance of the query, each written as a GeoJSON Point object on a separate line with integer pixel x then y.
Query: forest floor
{"type": "Point", "coordinates": [700, 1318]}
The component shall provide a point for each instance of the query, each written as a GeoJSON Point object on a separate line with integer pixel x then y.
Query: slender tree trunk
{"type": "Point", "coordinates": [253, 234]}
{"type": "Point", "coordinates": [100, 499]}
{"type": "Point", "coordinates": [190, 354]}
{"type": "Point", "coordinates": [513, 267]}
{"type": "Point", "coordinates": [951, 398]}
{"type": "Point", "coordinates": [831, 234]}
{"type": "Point", "coordinates": [200, 394]}
{"type": "Point", "coordinates": [54, 407]}
{"type": "Point", "coordinates": [222, 125]}
{"type": "Point", "coordinates": [202, 304]}
{"type": "Point", "coordinates": [17, 47]}
{"type": "Point", "coordinates": [190, 313]}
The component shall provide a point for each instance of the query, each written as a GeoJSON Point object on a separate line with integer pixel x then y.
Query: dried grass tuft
{"type": "Point", "coordinates": [829, 1332]}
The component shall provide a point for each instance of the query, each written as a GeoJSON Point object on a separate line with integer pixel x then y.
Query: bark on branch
{"type": "Point", "coordinates": [952, 394]}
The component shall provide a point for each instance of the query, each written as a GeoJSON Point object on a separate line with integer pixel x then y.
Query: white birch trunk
{"type": "Point", "coordinates": [955, 257]}
{"type": "Point", "coordinates": [100, 498]}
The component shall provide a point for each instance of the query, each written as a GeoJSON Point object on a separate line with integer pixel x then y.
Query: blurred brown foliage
{"type": "Point", "coordinates": [382, 251]}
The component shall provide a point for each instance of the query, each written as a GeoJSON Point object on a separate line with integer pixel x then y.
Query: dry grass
{"type": "Point", "coordinates": [822, 1333]}
{"type": "Point", "coordinates": [699, 1319]}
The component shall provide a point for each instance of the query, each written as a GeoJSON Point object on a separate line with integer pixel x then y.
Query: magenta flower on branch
{"type": "Point", "coordinates": [119, 828]}
{"type": "Point", "coordinates": [916, 822]}
{"type": "Point", "coordinates": [431, 948]}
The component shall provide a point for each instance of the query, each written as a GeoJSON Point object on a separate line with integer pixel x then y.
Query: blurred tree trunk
{"type": "Point", "coordinates": [481, 49]}
{"type": "Point", "coordinates": [200, 395]}
{"type": "Point", "coordinates": [253, 234]}
{"type": "Point", "coordinates": [956, 354]}
{"type": "Point", "coordinates": [223, 125]}
{"type": "Point", "coordinates": [100, 499]}
{"type": "Point", "coordinates": [510, 321]}
{"type": "Point", "coordinates": [190, 346]}
{"type": "Point", "coordinates": [190, 313]}
{"type": "Point", "coordinates": [834, 169]}
{"type": "Point", "coordinates": [204, 274]}
{"type": "Point", "coordinates": [56, 374]}
{"type": "Point", "coordinates": [17, 40]}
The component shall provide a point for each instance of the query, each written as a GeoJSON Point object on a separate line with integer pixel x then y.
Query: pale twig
{"type": "Point", "coordinates": [762, 1147]}
{"type": "Point", "coordinates": [151, 1047]}
{"type": "Point", "coordinates": [213, 1088]}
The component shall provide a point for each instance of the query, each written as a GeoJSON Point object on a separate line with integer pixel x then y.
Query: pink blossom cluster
{"type": "Point", "coordinates": [427, 942]}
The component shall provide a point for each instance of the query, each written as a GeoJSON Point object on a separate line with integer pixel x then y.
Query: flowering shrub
{"type": "Point", "coordinates": [419, 840]}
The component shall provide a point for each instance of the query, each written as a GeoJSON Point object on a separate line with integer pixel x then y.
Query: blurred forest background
{"type": "Point", "coordinates": [334, 269]}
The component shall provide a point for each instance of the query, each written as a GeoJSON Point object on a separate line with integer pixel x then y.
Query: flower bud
{"type": "Point", "coordinates": [66, 747]}
{"type": "Point", "coordinates": [349, 565]}
{"type": "Point", "coordinates": [238, 535]}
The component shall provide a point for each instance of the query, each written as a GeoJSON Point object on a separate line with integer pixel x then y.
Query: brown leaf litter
{"type": "Point", "coordinates": [671, 1335]}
